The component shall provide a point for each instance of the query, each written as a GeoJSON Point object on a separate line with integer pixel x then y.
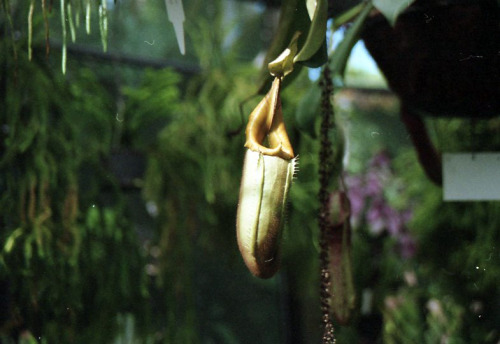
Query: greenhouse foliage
{"type": "Point", "coordinates": [119, 189]}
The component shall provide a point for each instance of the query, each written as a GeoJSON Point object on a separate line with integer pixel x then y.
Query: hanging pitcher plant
{"type": "Point", "coordinates": [268, 170]}
{"type": "Point", "coordinates": [267, 176]}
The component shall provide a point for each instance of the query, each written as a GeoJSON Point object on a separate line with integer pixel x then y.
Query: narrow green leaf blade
{"type": "Point", "coordinates": [316, 34]}
{"type": "Point", "coordinates": [341, 54]}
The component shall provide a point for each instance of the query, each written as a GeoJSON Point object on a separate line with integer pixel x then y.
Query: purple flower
{"type": "Point", "coordinates": [357, 198]}
{"type": "Point", "coordinates": [373, 184]}
{"type": "Point", "coordinates": [375, 216]}
{"type": "Point", "coordinates": [407, 245]}
{"type": "Point", "coordinates": [368, 199]}
{"type": "Point", "coordinates": [381, 160]}
{"type": "Point", "coordinates": [356, 194]}
{"type": "Point", "coordinates": [406, 215]}
{"type": "Point", "coordinates": [394, 220]}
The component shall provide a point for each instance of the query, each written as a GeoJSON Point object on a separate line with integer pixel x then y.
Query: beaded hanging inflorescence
{"type": "Point", "coordinates": [325, 170]}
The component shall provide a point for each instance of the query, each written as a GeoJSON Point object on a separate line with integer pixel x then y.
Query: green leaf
{"type": "Point", "coordinates": [311, 6]}
{"type": "Point", "coordinates": [317, 31]}
{"type": "Point", "coordinates": [391, 9]}
{"type": "Point", "coordinates": [103, 24]}
{"type": "Point", "coordinates": [28, 249]}
{"type": "Point", "coordinates": [93, 219]}
{"type": "Point", "coordinates": [9, 244]}
{"type": "Point", "coordinates": [283, 64]}
{"type": "Point", "coordinates": [348, 15]}
{"type": "Point", "coordinates": [341, 54]}
{"type": "Point", "coordinates": [307, 111]}
{"type": "Point", "coordinates": [319, 58]}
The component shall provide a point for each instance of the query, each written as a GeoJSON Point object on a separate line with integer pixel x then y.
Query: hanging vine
{"type": "Point", "coordinates": [70, 14]}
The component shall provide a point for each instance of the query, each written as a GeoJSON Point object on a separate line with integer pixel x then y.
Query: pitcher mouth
{"type": "Point", "coordinates": [266, 124]}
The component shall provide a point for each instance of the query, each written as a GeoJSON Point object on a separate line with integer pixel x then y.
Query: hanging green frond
{"type": "Point", "coordinates": [103, 24]}
{"type": "Point", "coordinates": [30, 28]}
{"type": "Point", "coordinates": [78, 12]}
{"type": "Point", "coordinates": [87, 16]}
{"type": "Point", "coordinates": [64, 34]}
{"type": "Point", "coordinates": [7, 10]}
{"type": "Point", "coordinates": [46, 25]}
{"type": "Point", "coordinates": [71, 22]}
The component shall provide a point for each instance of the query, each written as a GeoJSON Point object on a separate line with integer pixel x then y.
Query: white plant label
{"type": "Point", "coordinates": [471, 176]}
{"type": "Point", "coordinates": [176, 16]}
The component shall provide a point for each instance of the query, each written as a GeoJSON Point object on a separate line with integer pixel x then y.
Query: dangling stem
{"type": "Point", "coordinates": [87, 17]}
{"type": "Point", "coordinates": [46, 24]}
{"type": "Point", "coordinates": [78, 12]}
{"type": "Point", "coordinates": [71, 22]}
{"type": "Point", "coordinates": [103, 24]}
{"type": "Point", "coordinates": [325, 169]}
{"type": "Point", "coordinates": [7, 10]}
{"type": "Point", "coordinates": [30, 29]}
{"type": "Point", "coordinates": [64, 34]}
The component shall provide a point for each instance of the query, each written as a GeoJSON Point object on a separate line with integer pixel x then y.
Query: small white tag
{"type": "Point", "coordinates": [471, 176]}
{"type": "Point", "coordinates": [175, 12]}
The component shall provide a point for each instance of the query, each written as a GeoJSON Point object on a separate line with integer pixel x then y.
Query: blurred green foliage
{"type": "Point", "coordinates": [57, 225]}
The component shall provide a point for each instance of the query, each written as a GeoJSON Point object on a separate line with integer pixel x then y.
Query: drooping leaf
{"type": "Point", "coordinates": [87, 16]}
{"type": "Point", "coordinates": [103, 24]}
{"type": "Point", "coordinates": [71, 22]}
{"type": "Point", "coordinates": [317, 31]}
{"type": "Point", "coordinates": [348, 15]}
{"type": "Point", "coordinates": [64, 35]}
{"type": "Point", "coordinates": [30, 28]}
{"type": "Point", "coordinates": [341, 54]}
